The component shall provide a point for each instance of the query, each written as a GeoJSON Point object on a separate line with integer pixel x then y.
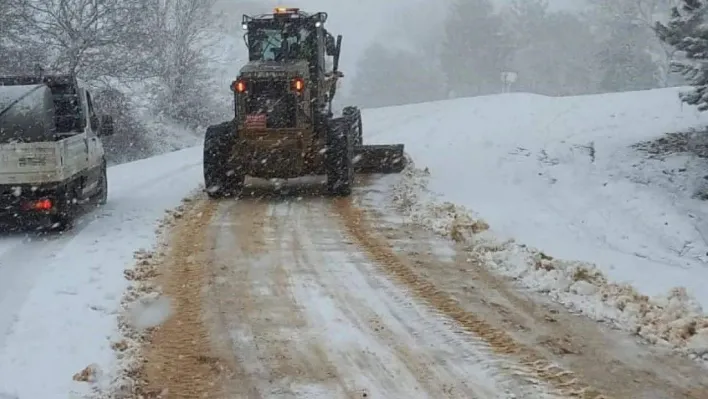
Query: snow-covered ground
{"type": "Point", "coordinates": [59, 296]}
{"type": "Point", "coordinates": [560, 175]}
{"type": "Point", "coordinates": [557, 174]}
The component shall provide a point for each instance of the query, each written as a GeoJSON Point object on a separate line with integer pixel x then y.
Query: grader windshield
{"type": "Point", "coordinates": [274, 44]}
{"type": "Point", "coordinates": [287, 34]}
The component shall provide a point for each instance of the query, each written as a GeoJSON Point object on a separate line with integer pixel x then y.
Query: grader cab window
{"type": "Point", "coordinates": [278, 44]}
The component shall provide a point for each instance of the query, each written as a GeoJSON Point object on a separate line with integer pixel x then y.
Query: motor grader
{"type": "Point", "coordinates": [283, 125]}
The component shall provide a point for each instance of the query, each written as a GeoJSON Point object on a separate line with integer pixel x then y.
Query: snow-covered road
{"type": "Point", "coordinates": [288, 294]}
{"type": "Point", "coordinates": [308, 316]}
{"type": "Point", "coordinates": [59, 294]}
{"type": "Point", "coordinates": [358, 288]}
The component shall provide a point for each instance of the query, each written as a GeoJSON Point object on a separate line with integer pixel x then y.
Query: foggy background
{"type": "Point", "coordinates": [163, 67]}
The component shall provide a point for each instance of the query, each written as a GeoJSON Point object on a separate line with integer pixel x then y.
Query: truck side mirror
{"type": "Point", "coordinates": [106, 126]}
{"type": "Point", "coordinates": [330, 45]}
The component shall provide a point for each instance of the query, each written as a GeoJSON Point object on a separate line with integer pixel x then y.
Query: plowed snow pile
{"type": "Point", "coordinates": [579, 178]}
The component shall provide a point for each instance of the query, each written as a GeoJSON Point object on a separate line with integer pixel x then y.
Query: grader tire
{"type": "Point", "coordinates": [353, 116]}
{"type": "Point", "coordinates": [339, 158]}
{"type": "Point", "coordinates": [220, 177]}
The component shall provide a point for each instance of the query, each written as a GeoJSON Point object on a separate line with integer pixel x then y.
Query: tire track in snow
{"type": "Point", "coordinates": [598, 355]}
{"type": "Point", "coordinates": [271, 299]}
{"type": "Point", "coordinates": [451, 365]}
{"type": "Point", "coordinates": [276, 350]}
{"type": "Point", "coordinates": [325, 286]}
{"type": "Point", "coordinates": [178, 359]}
{"type": "Point", "coordinates": [533, 365]}
{"type": "Point", "coordinates": [24, 258]}
{"type": "Point", "coordinates": [308, 316]}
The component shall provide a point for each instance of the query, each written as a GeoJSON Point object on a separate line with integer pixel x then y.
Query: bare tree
{"type": "Point", "coordinates": [476, 48]}
{"type": "Point", "coordinates": [7, 11]}
{"type": "Point", "coordinates": [181, 36]}
{"type": "Point", "coordinates": [15, 57]}
{"type": "Point", "coordinates": [548, 62]}
{"type": "Point", "coordinates": [642, 14]}
{"type": "Point", "coordinates": [132, 140]}
{"type": "Point", "coordinates": [90, 38]}
{"type": "Point", "coordinates": [151, 52]}
{"type": "Point", "coordinates": [408, 77]}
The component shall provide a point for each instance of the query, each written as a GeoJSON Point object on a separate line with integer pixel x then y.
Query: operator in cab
{"type": "Point", "coordinates": [295, 44]}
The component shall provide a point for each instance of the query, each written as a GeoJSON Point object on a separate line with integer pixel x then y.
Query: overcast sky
{"type": "Point", "coordinates": [362, 21]}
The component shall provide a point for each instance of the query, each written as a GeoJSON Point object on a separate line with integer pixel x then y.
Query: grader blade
{"type": "Point", "coordinates": [385, 159]}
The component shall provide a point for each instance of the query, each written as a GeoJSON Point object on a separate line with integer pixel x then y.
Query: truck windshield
{"type": "Point", "coordinates": [276, 44]}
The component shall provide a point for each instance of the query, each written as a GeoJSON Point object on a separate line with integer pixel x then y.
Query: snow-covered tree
{"type": "Point", "coordinates": [131, 140]}
{"type": "Point", "coordinates": [180, 37]}
{"type": "Point", "coordinates": [417, 27]}
{"type": "Point", "coordinates": [89, 38]}
{"type": "Point", "coordinates": [16, 57]}
{"type": "Point", "coordinates": [632, 55]}
{"type": "Point", "coordinates": [388, 76]}
{"type": "Point", "coordinates": [687, 32]}
{"type": "Point", "coordinates": [152, 55]}
{"type": "Point", "coordinates": [476, 48]}
{"type": "Point", "coordinates": [525, 20]}
{"type": "Point", "coordinates": [8, 16]}
{"type": "Point", "coordinates": [626, 62]}
{"type": "Point", "coordinates": [553, 51]}
{"type": "Point", "coordinates": [404, 67]}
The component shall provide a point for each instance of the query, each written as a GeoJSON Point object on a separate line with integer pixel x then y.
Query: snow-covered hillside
{"type": "Point", "coordinates": [560, 175]}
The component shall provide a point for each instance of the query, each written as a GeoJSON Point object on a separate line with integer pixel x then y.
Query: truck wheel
{"type": "Point", "coordinates": [221, 178]}
{"type": "Point", "coordinates": [66, 210]}
{"type": "Point", "coordinates": [103, 191]}
{"type": "Point", "coordinates": [353, 115]}
{"type": "Point", "coordinates": [339, 163]}
{"type": "Point", "coordinates": [62, 222]}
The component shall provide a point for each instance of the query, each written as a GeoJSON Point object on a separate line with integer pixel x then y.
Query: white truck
{"type": "Point", "coordinates": [51, 157]}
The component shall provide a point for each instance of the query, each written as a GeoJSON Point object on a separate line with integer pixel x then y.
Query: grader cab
{"type": "Point", "coordinates": [283, 125]}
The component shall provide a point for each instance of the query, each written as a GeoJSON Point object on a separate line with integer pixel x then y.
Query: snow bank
{"type": "Point", "coordinates": [565, 175]}
{"type": "Point", "coordinates": [674, 319]}
{"type": "Point", "coordinates": [143, 308]}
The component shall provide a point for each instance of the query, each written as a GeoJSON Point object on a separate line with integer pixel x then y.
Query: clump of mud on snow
{"type": "Point", "coordinates": [144, 309]}
{"type": "Point", "coordinates": [675, 320]}
{"type": "Point", "coordinates": [693, 143]}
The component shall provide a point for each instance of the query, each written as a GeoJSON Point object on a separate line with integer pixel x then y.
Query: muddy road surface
{"type": "Point", "coordinates": [294, 295]}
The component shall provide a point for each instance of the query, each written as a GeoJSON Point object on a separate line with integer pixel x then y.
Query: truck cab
{"type": "Point", "coordinates": [51, 156]}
